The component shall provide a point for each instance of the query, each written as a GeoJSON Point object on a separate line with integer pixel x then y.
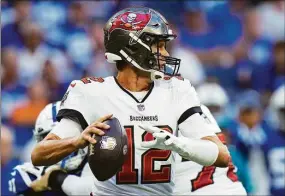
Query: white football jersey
{"type": "Point", "coordinates": [168, 104]}
{"type": "Point", "coordinates": [194, 179]}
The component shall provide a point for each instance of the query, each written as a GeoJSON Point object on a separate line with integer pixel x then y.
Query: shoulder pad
{"type": "Point", "coordinates": [182, 85]}
{"type": "Point", "coordinates": [84, 84]}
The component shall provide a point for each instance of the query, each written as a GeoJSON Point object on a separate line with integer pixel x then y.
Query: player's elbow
{"type": "Point", "coordinates": [224, 157]}
{"type": "Point", "coordinates": [36, 157]}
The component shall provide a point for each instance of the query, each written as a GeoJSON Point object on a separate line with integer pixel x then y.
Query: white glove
{"type": "Point", "coordinates": [200, 151]}
{"type": "Point", "coordinates": [163, 139]}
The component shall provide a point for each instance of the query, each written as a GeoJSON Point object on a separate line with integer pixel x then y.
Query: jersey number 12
{"type": "Point", "coordinates": [129, 174]}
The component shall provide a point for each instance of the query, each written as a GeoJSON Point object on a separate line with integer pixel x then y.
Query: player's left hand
{"type": "Point", "coordinates": [163, 139]}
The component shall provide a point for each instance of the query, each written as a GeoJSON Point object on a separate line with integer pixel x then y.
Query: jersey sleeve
{"type": "Point", "coordinates": [74, 104]}
{"type": "Point", "coordinates": [67, 128]}
{"type": "Point", "coordinates": [194, 121]}
{"type": "Point", "coordinates": [211, 119]}
{"type": "Point", "coordinates": [187, 100]}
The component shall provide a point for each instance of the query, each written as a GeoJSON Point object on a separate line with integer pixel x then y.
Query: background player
{"type": "Point", "coordinates": [27, 179]}
{"type": "Point", "coordinates": [274, 146]}
{"type": "Point", "coordinates": [136, 38]}
{"type": "Point", "coordinates": [216, 99]}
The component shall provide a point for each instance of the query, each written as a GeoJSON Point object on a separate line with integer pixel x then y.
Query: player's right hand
{"type": "Point", "coordinates": [96, 128]}
{"type": "Point", "coordinates": [41, 184]}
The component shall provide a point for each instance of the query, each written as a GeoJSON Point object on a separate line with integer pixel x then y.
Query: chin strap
{"type": "Point", "coordinates": [112, 58]}
{"type": "Point", "coordinates": [156, 75]}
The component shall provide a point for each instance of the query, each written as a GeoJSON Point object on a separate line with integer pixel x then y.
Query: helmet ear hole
{"type": "Point", "coordinates": [148, 39]}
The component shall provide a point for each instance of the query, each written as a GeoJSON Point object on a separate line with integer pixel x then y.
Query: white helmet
{"type": "Point", "coordinates": [277, 106]}
{"type": "Point", "coordinates": [46, 121]}
{"type": "Point", "coordinates": [212, 94]}
{"type": "Point", "coordinates": [215, 98]}
{"type": "Point", "coordinates": [277, 100]}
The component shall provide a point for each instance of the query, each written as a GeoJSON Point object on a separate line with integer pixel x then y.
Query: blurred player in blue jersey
{"type": "Point", "coordinates": [274, 147]}
{"type": "Point", "coordinates": [71, 176]}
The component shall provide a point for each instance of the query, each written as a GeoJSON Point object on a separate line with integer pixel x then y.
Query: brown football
{"type": "Point", "coordinates": [107, 156]}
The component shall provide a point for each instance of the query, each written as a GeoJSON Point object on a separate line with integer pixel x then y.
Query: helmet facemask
{"type": "Point", "coordinates": [148, 60]}
{"type": "Point", "coordinates": [166, 64]}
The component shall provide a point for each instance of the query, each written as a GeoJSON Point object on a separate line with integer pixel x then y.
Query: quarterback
{"type": "Point", "coordinates": [149, 101]}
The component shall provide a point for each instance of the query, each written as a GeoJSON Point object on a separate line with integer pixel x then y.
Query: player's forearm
{"type": "Point", "coordinates": [53, 149]}
{"type": "Point", "coordinates": [203, 151]}
{"type": "Point", "coordinates": [209, 150]}
{"type": "Point", "coordinates": [224, 157]}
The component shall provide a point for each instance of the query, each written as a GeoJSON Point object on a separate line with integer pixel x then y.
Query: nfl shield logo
{"type": "Point", "coordinates": [108, 143]}
{"type": "Point", "coordinates": [141, 107]}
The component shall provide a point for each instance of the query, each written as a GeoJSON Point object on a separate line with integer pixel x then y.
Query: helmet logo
{"type": "Point", "coordinates": [130, 21]}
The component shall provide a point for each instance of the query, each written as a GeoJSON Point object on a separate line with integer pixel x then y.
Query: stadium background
{"type": "Point", "coordinates": [236, 44]}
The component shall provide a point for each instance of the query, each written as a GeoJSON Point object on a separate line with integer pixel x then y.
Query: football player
{"type": "Point", "coordinates": [215, 98]}
{"type": "Point", "coordinates": [149, 102]}
{"type": "Point", "coordinates": [194, 179]}
{"type": "Point", "coordinates": [27, 179]}
{"type": "Point", "coordinates": [274, 147]}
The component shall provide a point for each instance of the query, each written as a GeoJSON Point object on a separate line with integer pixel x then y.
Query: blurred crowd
{"type": "Point", "coordinates": [234, 50]}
